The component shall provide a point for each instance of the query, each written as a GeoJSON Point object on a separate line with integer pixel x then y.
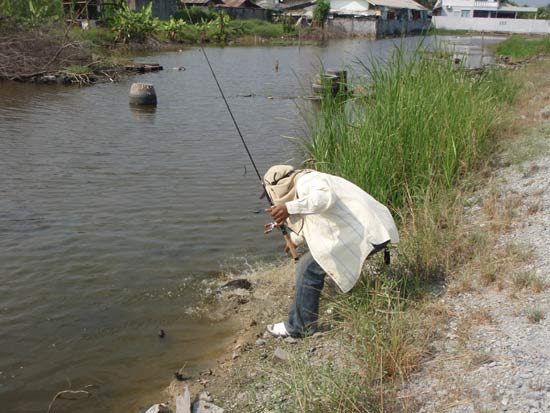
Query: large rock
{"type": "Point", "coordinates": [183, 403]}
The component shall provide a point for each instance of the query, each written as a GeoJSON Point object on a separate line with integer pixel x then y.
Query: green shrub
{"type": "Point", "coordinates": [263, 28]}
{"type": "Point", "coordinates": [98, 36]}
{"type": "Point", "coordinates": [196, 14]}
{"type": "Point", "coordinates": [132, 25]}
{"type": "Point", "coordinates": [321, 11]}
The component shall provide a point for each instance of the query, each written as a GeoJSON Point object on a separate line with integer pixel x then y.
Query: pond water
{"type": "Point", "coordinates": [111, 218]}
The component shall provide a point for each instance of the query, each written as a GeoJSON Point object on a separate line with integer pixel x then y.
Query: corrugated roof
{"type": "Point", "coordinates": [239, 3]}
{"type": "Point", "coordinates": [398, 4]}
{"type": "Point", "coordinates": [202, 2]}
{"type": "Point", "coordinates": [349, 6]}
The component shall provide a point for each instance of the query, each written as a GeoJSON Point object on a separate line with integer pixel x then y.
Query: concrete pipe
{"type": "Point", "coordinates": [143, 94]}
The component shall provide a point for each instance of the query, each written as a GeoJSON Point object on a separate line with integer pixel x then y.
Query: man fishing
{"type": "Point", "coordinates": [340, 223]}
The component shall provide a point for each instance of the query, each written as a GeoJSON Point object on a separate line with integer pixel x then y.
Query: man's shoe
{"type": "Point", "coordinates": [277, 330]}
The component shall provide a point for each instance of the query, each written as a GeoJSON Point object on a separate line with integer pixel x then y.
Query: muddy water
{"type": "Point", "coordinates": [112, 219]}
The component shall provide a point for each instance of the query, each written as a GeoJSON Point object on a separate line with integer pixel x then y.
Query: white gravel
{"type": "Point", "coordinates": [504, 364]}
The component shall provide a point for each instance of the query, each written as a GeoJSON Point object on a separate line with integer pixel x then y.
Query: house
{"type": "Point", "coordinates": [487, 16]}
{"type": "Point", "coordinates": [201, 3]}
{"type": "Point", "coordinates": [479, 9]}
{"type": "Point", "coordinates": [244, 9]}
{"type": "Point", "coordinates": [377, 17]}
{"type": "Point", "coordinates": [162, 9]}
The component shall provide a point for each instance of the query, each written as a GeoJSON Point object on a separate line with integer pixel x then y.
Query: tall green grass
{"type": "Point", "coordinates": [414, 128]}
{"type": "Point", "coordinates": [419, 125]}
{"type": "Point", "coordinates": [517, 46]}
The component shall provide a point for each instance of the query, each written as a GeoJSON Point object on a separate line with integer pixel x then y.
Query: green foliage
{"type": "Point", "coordinates": [543, 12]}
{"type": "Point", "coordinates": [98, 36]}
{"type": "Point", "coordinates": [416, 127]}
{"type": "Point", "coordinates": [175, 29]}
{"type": "Point", "coordinates": [196, 14]}
{"type": "Point", "coordinates": [134, 25]}
{"type": "Point", "coordinates": [32, 12]}
{"type": "Point", "coordinates": [262, 28]}
{"type": "Point", "coordinates": [518, 47]}
{"type": "Point", "coordinates": [321, 11]}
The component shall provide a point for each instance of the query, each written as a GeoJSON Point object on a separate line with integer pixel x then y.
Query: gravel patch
{"type": "Point", "coordinates": [501, 361]}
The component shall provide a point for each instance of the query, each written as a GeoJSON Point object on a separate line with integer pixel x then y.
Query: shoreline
{"type": "Point", "coordinates": [254, 371]}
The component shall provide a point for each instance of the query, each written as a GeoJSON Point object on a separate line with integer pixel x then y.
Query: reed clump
{"type": "Point", "coordinates": [418, 128]}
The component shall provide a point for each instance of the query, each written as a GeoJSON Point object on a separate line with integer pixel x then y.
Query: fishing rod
{"type": "Point", "coordinates": [290, 245]}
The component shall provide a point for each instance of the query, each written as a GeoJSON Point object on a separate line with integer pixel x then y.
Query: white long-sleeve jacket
{"type": "Point", "coordinates": [341, 224]}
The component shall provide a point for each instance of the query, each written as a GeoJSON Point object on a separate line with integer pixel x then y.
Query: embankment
{"type": "Point", "coordinates": [425, 139]}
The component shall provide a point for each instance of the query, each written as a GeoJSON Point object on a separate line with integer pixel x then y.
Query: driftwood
{"type": "Point", "coordinates": [71, 395]}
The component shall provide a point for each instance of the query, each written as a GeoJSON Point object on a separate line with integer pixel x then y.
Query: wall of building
{"type": "Point", "coordinates": [162, 9]}
{"type": "Point", "coordinates": [352, 26]}
{"type": "Point", "coordinates": [492, 25]}
{"type": "Point", "coordinates": [399, 27]}
{"type": "Point", "coordinates": [375, 27]}
{"type": "Point", "coordinates": [244, 13]}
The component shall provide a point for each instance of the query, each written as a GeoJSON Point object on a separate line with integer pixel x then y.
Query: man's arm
{"type": "Point", "coordinates": [315, 197]}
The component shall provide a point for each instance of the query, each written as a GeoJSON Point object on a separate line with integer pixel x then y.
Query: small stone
{"type": "Point", "coordinates": [290, 340]}
{"type": "Point", "coordinates": [235, 355]}
{"type": "Point", "coordinates": [260, 342]}
{"type": "Point", "coordinates": [267, 335]}
{"type": "Point", "coordinates": [205, 407]}
{"type": "Point", "coordinates": [159, 408]}
{"type": "Point", "coordinates": [545, 113]}
{"type": "Point", "coordinates": [280, 355]}
{"type": "Point", "coordinates": [318, 335]}
{"type": "Point", "coordinates": [205, 395]}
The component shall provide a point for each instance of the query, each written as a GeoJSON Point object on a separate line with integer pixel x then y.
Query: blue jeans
{"type": "Point", "coordinates": [304, 312]}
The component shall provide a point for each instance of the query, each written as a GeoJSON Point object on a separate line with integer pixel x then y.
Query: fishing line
{"type": "Point", "coordinates": [283, 227]}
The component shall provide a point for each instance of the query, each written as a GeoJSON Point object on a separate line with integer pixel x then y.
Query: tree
{"type": "Point", "coordinates": [321, 11]}
{"type": "Point", "coordinates": [543, 12]}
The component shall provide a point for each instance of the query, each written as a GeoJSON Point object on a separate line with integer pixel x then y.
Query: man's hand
{"type": "Point", "coordinates": [279, 213]}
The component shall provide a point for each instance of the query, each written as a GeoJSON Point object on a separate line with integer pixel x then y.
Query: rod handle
{"type": "Point", "coordinates": [291, 247]}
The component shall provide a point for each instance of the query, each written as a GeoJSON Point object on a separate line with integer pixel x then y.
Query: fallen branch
{"type": "Point", "coordinates": [70, 395]}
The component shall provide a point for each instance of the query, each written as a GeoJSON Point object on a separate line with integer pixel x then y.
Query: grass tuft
{"type": "Point", "coordinates": [535, 315]}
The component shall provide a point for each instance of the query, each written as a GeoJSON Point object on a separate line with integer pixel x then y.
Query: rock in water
{"type": "Point", "coordinates": [240, 283]}
{"type": "Point", "coordinates": [205, 407]}
{"type": "Point", "coordinates": [183, 403]}
{"type": "Point", "coordinates": [159, 408]}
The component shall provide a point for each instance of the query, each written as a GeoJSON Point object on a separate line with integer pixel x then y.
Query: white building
{"type": "Point", "coordinates": [479, 9]}
{"type": "Point", "coordinates": [489, 16]}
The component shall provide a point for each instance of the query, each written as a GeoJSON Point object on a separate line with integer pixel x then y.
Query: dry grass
{"type": "Point", "coordinates": [535, 315]}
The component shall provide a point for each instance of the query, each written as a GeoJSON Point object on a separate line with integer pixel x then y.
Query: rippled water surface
{"type": "Point", "coordinates": [111, 218]}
